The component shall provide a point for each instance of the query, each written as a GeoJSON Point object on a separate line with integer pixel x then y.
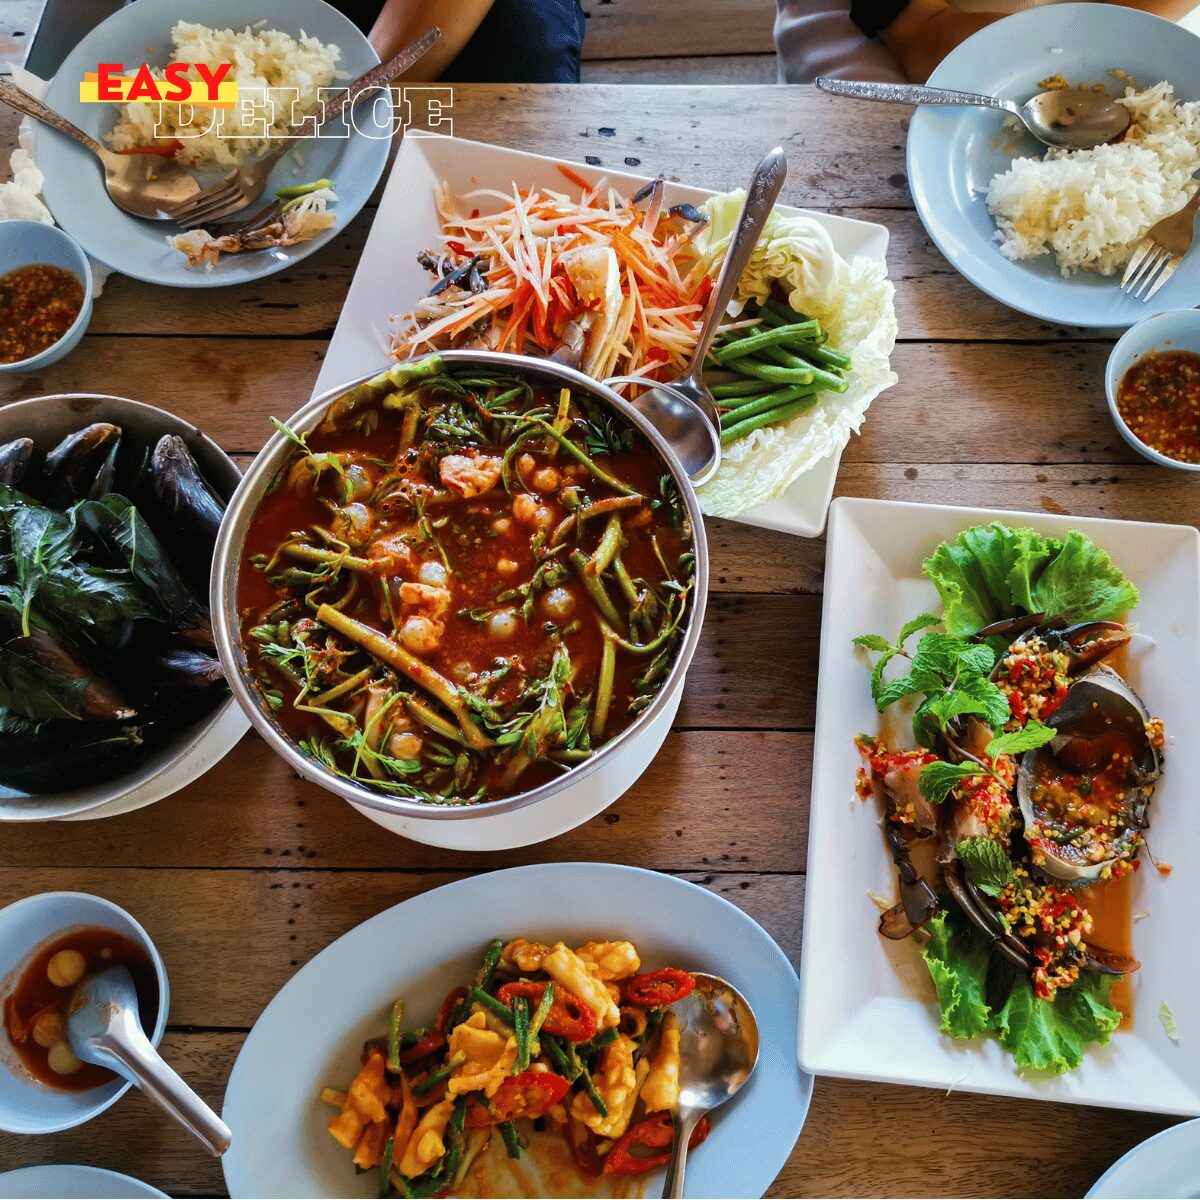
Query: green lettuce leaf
{"type": "Point", "coordinates": [990, 572]}
{"type": "Point", "coordinates": [1052, 1035]}
{"type": "Point", "coordinates": [958, 963]}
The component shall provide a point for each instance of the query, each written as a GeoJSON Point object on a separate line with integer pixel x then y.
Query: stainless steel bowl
{"type": "Point", "coordinates": [48, 419]}
{"type": "Point", "coordinates": [226, 625]}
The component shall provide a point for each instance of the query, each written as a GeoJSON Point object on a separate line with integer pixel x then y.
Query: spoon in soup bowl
{"type": "Point", "coordinates": [103, 1028]}
{"type": "Point", "coordinates": [718, 1049]}
{"type": "Point", "coordinates": [1066, 118]}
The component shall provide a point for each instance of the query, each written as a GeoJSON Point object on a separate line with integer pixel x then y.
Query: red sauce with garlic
{"type": "Point", "coordinates": [38, 304]}
{"type": "Point", "coordinates": [35, 1011]}
{"type": "Point", "coordinates": [1159, 399]}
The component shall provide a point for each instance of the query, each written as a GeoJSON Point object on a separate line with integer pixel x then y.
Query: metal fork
{"type": "Point", "coordinates": [241, 189]}
{"type": "Point", "coordinates": [1158, 255]}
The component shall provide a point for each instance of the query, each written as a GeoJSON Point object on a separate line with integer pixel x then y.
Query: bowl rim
{"type": "Point", "coordinates": [1132, 345]}
{"type": "Point", "coordinates": [83, 317]}
{"type": "Point", "coordinates": [120, 786]}
{"type": "Point", "coordinates": [55, 898]}
{"type": "Point", "coordinates": [226, 626]}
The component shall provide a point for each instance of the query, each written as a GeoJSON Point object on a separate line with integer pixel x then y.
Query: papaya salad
{"type": "Point", "coordinates": [581, 1044]}
{"type": "Point", "coordinates": [1018, 819]}
{"type": "Point", "coordinates": [617, 285]}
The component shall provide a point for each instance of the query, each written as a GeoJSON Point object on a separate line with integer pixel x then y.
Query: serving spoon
{"type": "Point", "coordinates": [718, 1047]}
{"type": "Point", "coordinates": [683, 410]}
{"type": "Point", "coordinates": [103, 1028]}
{"type": "Point", "coordinates": [1066, 118]}
{"type": "Point", "coordinates": [144, 185]}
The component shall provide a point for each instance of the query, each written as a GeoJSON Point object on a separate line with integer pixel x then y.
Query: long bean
{"type": "Point", "coordinates": [737, 387]}
{"type": "Point", "coordinates": [776, 315]}
{"type": "Point", "coordinates": [609, 544]}
{"type": "Point", "coordinates": [764, 404]}
{"type": "Point", "coordinates": [542, 1012]}
{"type": "Point", "coordinates": [540, 426]}
{"type": "Point", "coordinates": [395, 1034]}
{"type": "Point", "coordinates": [520, 1022]}
{"type": "Point", "coordinates": [594, 586]}
{"type": "Point", "coordinates": [501, 1011]}
{"type": "Point", "coordinates": [491, 960]}
{"type": "Point", "coordinates": [826, 380]}
{"type": "Point", "coordinates": [783, 413]}
{"type": "Point", "coordinates": [754, 342]}
{"type": "Point", "coordinates": [422, 1086]}
{"type": "Point", "coordinates": [399, 659]}
{"type": "Point", "coordinates": [769, 372]}
{"type": "Point", "coordinates": [604, 686]}
{"type": "Point", "coordinates": [512, 1142]}
{"type": "Point", "coordinates": [318, 554]}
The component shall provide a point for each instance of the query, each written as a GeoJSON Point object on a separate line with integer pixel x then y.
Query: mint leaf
{"type": "Point", "coordinates": [957, 959]}
{"type": "Point", "coordinates": [973, 695]}
{"type": "Point", "coordinates": [938, 779]}
{"type": "Point", "coordinates": [924, 621]}
{"type": "Point", "coordinates": [872, 641]}
{"type": "Point", "coordinates": [1030, 737]}
{"type": "Point", "coordinates": [1051, 1035]}
{"type": "Point", "coordinates": [987, 865]}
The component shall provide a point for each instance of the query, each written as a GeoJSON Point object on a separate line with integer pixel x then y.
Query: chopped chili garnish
{"type": "Point", "coordinates": [1159, 399]}
{"type": "Point", "coordinates": [657, 989]}
{"type": "Point", "coordinates": [430, 1043]}
{"type": "Point", "coordinates": [38, 304]}
{"type": "Point", "coordinates": [568, 1017]}
{"type": "Point", "coordinates": [456, 997]}
{"type": "Point", "coordinates": [654, 1133]}
{"type": "Point", "coordinates": [528, 1094]}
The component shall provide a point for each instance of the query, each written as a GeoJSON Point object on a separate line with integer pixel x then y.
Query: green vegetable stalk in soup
{"type": "Point", "coordinates": [463, 583]}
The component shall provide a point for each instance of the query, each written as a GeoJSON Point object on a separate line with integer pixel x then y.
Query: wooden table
{"type": "Point", "coordinates": [248, 873]}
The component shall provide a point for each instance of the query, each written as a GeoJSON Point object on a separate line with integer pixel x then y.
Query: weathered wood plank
{"type": "Point", "coordinates": [741, 69]}
{"type": "Point", "coordinates": [648, 28]}
{"type": "Point", "coordinates": [849, 1147]}
{"type": "Point", "coordinates": [699, 805]}
{"type": "Point", "coordinates": [283, 918]}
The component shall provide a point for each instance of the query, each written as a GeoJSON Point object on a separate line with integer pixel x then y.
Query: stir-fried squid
{"type": "Point", "coordinates": [462, 584]}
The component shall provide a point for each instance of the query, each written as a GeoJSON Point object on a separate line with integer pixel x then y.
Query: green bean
{"type": "Point", "coordinates": [783, 413]}
{"type": "Point", "coordinates": [502, 1011]}
{"type": "Point", "coordinates": [738, 387]}
{"type": "Point", "coordinates": [512, 1143]}
{"type": "Point", "coordinates": [520, 1024]}
{"type": "Point", "coordinates": [491, 959]}
{"type": "Point", "coordinates": [589, 1086]}
{"type": "Point", "coordinates": [394, 1036]}
{"type": "Point", "coordinates": [594, 586]}
{"type": "Point", "coordinates": [754, 342]}
{"type": "Point", "coordinates": [317, 554]}
{"type": "Point", "coordinates": [604, 687]}
{"type": "Point", "coordinates": [765, 403]}
{"type": "Point", "coordinates": [540, 426]}
{"type": "Point", "coordinates": [423, 1085]}
{"type": "Point", "coordinates": [827, 381]}
{"type": "Point", "coordinates": [433, 720]}
{"type": "Point", "coordinates": [385, 1166]}
{"type": "Point", "coordinates": [599, 1042]}
{"type": "Point", "coordinates": [772, 374]}
{"type": "Point", "coordinates": [542, 1012]}
{"type": "Point", "coordinates": [554, 1048]}
{"type": "Point", "coordinates": [610, 543]}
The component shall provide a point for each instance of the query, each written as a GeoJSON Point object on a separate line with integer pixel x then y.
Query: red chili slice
{"type": "Point", "coordinates": [430, 1043]}
{"type": "Point", "coordinates": [569, 1017]}
{"type": "Point", "coordinates": [657, 989]}
{"type": "Point", "coordinates": [528, 1094]}
{"type": "Point", "coordinates": [448, 1006]}
{"type": "Point", "coordinates": [583, 1150]}
{"type": "Point", "coordinates": [654, 1133]}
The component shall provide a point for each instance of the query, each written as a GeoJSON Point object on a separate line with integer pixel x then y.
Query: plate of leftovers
{"type": "Point", "coordinates": [427, 1076]}
{"type": "Point", "coordinates": [1049, 232]}
{"type": "Point", "coordinates": [1010, 696]}
{"type": "Point", "coordinates": [283, 55]}
{"type": "Point", "coordinates": [482, 247]}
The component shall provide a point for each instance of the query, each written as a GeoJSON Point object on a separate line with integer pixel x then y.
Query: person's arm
{"type": "Point", "coordinates": [403, 21]}
{"type": "Point", "coordinates": [923, 32]}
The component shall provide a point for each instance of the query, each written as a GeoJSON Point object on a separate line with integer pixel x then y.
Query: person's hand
{"type": "Point", "coordinates": [926, 31]}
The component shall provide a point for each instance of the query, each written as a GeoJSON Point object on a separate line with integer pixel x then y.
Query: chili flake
{"type": "Point", "coordinates": [38, 304]}
{"type": "Point", "coordinates": [1159, 399]}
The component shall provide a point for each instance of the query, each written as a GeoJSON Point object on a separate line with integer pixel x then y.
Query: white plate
{"type": "Point", "coordinates": [311, 1034]}
{"type": "Point", "coordinates": [388, 278]}
{"type": "Point", "coordinates": [73, 1183]}
{"type": "Point", "coordinates": [869, 1010]}
{"type": "Point", "coordinates": [1168, 1164]}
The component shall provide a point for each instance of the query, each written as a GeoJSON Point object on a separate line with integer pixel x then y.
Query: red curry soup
{"type": "Point", "coordinates": [463, 583]}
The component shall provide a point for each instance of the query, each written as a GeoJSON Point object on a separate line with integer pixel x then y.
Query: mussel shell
{"type": "Point", "coordinates": [15, 460]}
{"type": "Point", "coordinates": [1097, 703]}
{"type": "Point", "coordinates": [57, 756]}
{"type": "Point", "coordinates": [72, 466]}
{"type": "Point", "coordinates": [186, 512]}
{"type": "Point", "coordinates": [100, 700]}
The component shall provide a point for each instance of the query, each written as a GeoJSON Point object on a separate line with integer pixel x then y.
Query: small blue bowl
{"type": "Point", "coordinates": [1176, 329]}
{"type": "Point", "coordinates": [28, 243]}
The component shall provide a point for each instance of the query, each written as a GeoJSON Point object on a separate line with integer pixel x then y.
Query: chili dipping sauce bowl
{"type": "Point", "coordinates": [525, 817]}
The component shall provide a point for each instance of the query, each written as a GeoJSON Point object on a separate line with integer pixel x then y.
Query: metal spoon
{"type": "Point", "coordinates": [103, 1028]}
{"type": "Point", "coordinates": [141, 184]}
{"type": "Point", "coordinates": [683, 410]}
{"type": "Point", "coordinates": [718, 1047]}
{"type": "Point", "coordinates": [1066, 118]}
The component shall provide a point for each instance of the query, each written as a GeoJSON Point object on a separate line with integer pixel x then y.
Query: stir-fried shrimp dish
{"type": "Point", "coordinates": [579, 1042]}
{"type": "Point", "coordinates": [464, 583]}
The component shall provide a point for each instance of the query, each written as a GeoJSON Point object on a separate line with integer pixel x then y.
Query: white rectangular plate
{"type": "Point", "coordinates": [388, 279]}
{"type": "Point", "coordinates": [867, 1005]}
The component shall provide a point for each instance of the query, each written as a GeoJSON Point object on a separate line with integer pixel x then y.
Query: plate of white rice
{"type": "Point", "coordinates": [282, 51]}
{"type": "Point", "coordinates": [1049, 232]}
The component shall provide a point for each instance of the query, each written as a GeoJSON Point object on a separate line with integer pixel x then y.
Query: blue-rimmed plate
{"type": "Point", "coordinates": [67, 1182]}
{"type": "Point", "coordinates": [953, 153]}
{"type": "Point", "coordinates": [74, 188]}
{"type": "Point", "coordinates": [1168, 1165]}
{"type": "Point", "coordinates": [311, 1034]}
